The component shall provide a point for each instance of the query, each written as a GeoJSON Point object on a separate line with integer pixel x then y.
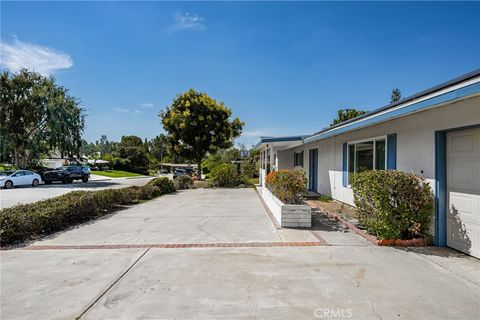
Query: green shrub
{"type": "Point", "coordinates": [324, 198]}
{"type": "Point", "coordinates": [224, 175]}
{"type": "Point", "coordinates": [28, 221]}
{"type": "Point", "coordinates": [163, 183]}
{"type": "Point", "coordinates": [248, 167]}
{"type": "Point", "coordinates": [392, 204]}
{"type": "Point", "coordinates": [183, 182]}
{"type": "Point", "coordinates": [201, 184]}
{"type": "Point", "coordinates": [290, 186]}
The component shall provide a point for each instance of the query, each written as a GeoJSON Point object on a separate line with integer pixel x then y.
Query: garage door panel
{"type": "Point", "coordinates": [461, 203]}
{"type": "Point", "coordinates": [462, 239]}
{"type": "Point", "coordinates": [463, 173]}
{"type": "Point", "coordinates": [461, 144]}
{"type": "Point", "coordinates": [463, 189]}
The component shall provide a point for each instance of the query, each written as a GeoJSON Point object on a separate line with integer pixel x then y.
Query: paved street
{"type": "Point", "coordinates": [27, 194]}
{"type": "Point", "coordinates": [215, 254]}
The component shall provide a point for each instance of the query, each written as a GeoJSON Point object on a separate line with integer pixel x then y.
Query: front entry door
{"type": "Point", "coordinates": [463, 189]}
{"type": "Point", "coordinates": [312, 169]}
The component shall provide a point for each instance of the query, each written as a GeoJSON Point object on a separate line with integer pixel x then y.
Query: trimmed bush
{"type": "Point", "coordinates": [393, 204]}
{"type": "Point", "coordinates": [183, 182]}
{"type": "Point", "coordinates": [224, 175]}
{"type": "Point", "coordinates": [290, 186]}
{"type": "Point", "coordinates": [29, 221]}
{"type": "Point", "coordinates": [201, 184]}
{"type": "Point", "coordinates": [163, 183]}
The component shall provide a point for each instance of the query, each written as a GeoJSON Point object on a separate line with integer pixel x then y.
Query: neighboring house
{"type": "Point", "coordinates": [434, 134]}
{"type": "Point", "coordinates": [54, 163]}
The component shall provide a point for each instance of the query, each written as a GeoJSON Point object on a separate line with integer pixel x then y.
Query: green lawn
{"type": "Point", "coordinates": [3, 168]}
{"type": "Point", "coordinates": [116, 174]}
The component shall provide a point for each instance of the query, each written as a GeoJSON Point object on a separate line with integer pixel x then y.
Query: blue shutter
{"type": "Point", "coordinates": [345, 173]}
{"type": "Point", "coordinates": [392, 151]}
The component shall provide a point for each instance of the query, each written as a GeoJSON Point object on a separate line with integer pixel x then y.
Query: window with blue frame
{"type": "Point", "coordinates": [369, 154]}
{"type": "Point", "coordinates": [298, 159]}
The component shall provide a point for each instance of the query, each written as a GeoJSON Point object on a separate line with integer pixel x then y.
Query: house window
{"type": "Point", "coordinates": [298, 159]}
{"type": "Point", "coordinates": [366, 155]}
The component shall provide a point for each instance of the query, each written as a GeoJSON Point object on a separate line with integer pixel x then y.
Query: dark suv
{"type": "Point", "coordinates": [67, 174]}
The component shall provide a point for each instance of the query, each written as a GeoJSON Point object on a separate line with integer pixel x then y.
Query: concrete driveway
{"type": "Point", "coordinates": [215, 254]}
{"type": "Point", "coordinates": [27, 194]}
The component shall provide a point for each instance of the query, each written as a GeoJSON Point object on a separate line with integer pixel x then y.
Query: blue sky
{"type": "Point", "coordinates": [283, 67]}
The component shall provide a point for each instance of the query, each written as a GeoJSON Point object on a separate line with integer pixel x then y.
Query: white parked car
{"type": "Point", "coordinates": [14, 178]}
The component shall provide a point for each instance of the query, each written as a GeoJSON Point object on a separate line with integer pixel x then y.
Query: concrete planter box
{"type": "Point", "coordinates": [287, 215]}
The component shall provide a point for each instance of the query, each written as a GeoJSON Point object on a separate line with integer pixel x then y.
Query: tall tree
{"type": "Point", "coordinates": [37, 114]}
{"type": "Point", "coordinates": [105, 146]}
{"type": "Point", "coordinates": [159, 147]}
{"type": "Point", "coordinates": [346, 114]}
{"type": "Point", "coordinates": [132, 149]}
{"type": "Point", "coordinates": [396, 95]}
{"type": "Point", "coordinates": [197, 124]}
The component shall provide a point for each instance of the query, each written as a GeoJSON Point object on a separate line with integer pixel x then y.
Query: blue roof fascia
{"type": "Point", "coordinates": [414, 107]}
{"type": "Point", "coordinates": [278, 139]}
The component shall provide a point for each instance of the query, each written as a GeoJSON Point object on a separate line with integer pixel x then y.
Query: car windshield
{"type": "Point", "coordinates": [6, 173]}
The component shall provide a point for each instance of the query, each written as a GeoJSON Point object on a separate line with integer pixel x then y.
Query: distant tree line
{"type": "Point", "coordinates": [132, 153]}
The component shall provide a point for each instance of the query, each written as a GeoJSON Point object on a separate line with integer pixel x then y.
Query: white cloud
{"type": "Point", "coordinates": [125, 110]}
{"type": "Point", "coordinates": [121, 110]}
{"type": "Point", "coordinates": [44, 60]}
{"type": "Point", "coordinates": [187, 21]}
{"type": "Point", "coordinates": [147, 105]}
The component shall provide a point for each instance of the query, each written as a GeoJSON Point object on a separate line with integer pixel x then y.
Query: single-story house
{"type": "Point", "coordinates": [434, 134]}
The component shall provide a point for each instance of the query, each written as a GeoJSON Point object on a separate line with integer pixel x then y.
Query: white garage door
{"type": "Point", "coordinates": [463, 191]}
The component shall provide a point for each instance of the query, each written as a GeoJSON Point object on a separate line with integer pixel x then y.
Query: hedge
{"type": "Point", "coordinates": [29, 221]}
{"type": "Point", "coordinates": [226, 175]}
{"type": "Point", "coordinates": [290, 186]}
{"type": "Point", "coordinates": [393, 204]}
{"type": "Point", "coordinates": [183, 182]}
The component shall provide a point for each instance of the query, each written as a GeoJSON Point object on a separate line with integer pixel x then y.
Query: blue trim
{"type": "Point", "coordinates": [441, 183]}
{"type": "Point", "coordinates": [392, 151]}
{"type": "Point", "coordinates": [344, 166]}
{"type": "Point", "coordinates": [313, 169]}
{"type": "Point", "coordinates": [440, 188]}
{"type": "Point", "coordinates": [279, 139]}
{"type": "Point", "coordinates": [414, 107]}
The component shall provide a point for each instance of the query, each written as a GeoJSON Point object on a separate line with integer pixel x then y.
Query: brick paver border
{"type": "Point", "coordinates": [176, 245]}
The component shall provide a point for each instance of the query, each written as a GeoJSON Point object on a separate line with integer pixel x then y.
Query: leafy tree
{"type": "Point", "coordinates": [198, 124]}
{"type": "Point", "coordinates": [249, 166]}
{"type": "Point", "coordinates": [396, 95]}
{"type": "Point", "coordinates": [159, 147]}
{"type": "Point", "coordinates": [37, 115]}
{"type": "Point", "coordinates": [132, 150]}
{"type": "Point", "coordinates": [346, 114]}
{"type": "Point", "coordinates": [212, 160]}
{"type": "Point", "coordinates": [89, 149]}
{"type": "Point", "coordinates": [104, 146]}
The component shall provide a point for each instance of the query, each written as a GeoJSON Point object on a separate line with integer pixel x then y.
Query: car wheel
{"type": "Point", "coordinates": [8, 184]}
{"type": "Point", "coordinates": [35, 182]}
{"type": "Point", "coordinates": [48, 182]}
{"type": "Point", "coordinates": [85, 179]}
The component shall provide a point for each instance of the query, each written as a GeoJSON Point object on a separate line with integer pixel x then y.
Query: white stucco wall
{"type": "Point", "coordinates": [285, 159]}
{"type": "Point", "coordinates": [415, 144]}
